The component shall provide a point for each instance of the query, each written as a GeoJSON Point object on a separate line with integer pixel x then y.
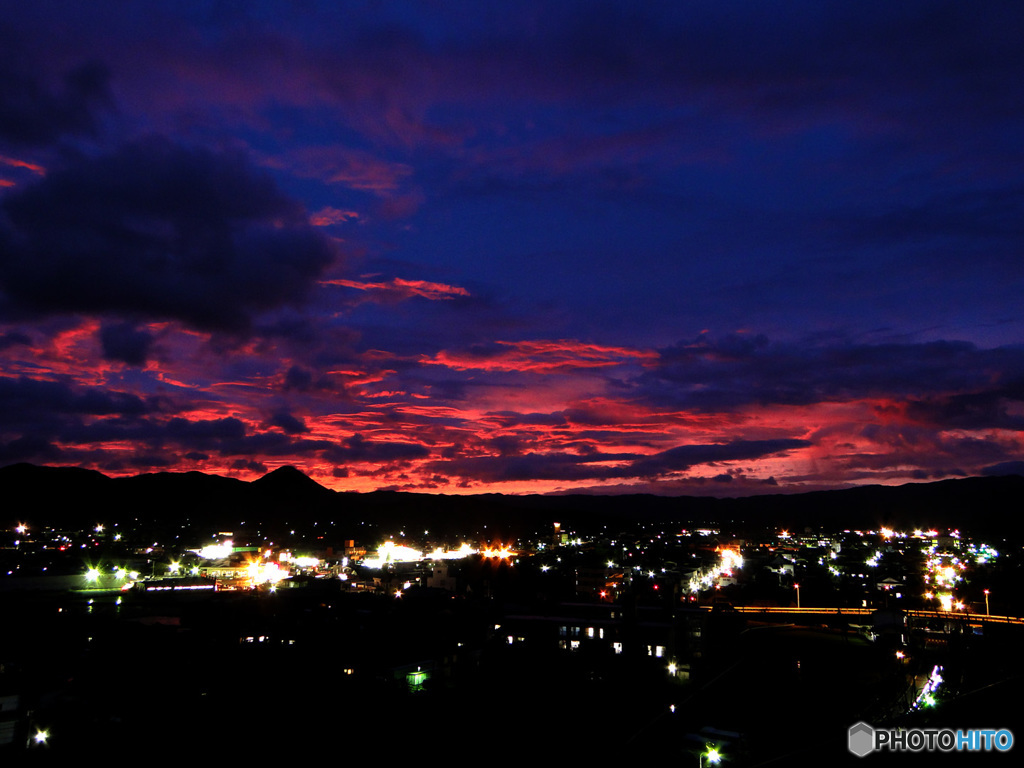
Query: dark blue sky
{"type": "Point", "coordinates": [706, 247]}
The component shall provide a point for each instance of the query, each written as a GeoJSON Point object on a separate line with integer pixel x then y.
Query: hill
{"type": "Point", "coordinates": [71, 496]}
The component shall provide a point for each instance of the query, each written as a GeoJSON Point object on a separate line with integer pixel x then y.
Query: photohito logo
{"type": "Point", "coordinates": [863, 739]}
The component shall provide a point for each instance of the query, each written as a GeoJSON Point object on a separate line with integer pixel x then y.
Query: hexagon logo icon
{"type": "Point", "coordinates": [861, 739]}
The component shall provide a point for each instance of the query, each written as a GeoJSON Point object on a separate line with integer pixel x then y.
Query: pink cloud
{"type": "Point", "coordinates": [15, 163]}
{"type": "Point", "coordinates": [550, 356]}
{"type": "Point", "coordinates": [398, 289]}
{"type": "Point", "coordinates": [328, 216]}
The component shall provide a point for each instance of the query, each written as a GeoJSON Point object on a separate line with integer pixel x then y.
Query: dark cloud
{"type": "Point", "coordinates": [204, 432]}
{"type": "Point", "coordinates": [1005, 468]}
{"type": "Point", "coordinates": [159, 231]}
{"type": "Point", "coordinates": [14, 338]}
{"type": "Point", "coordinates": [29, 448]}
{"type": "Point", "coordinates": [685, 456]}
{"type": "Point", "coordinates": [594, 465]}
{"type": "Point", "coordinates": [298, 378]}
{"type": "Point", "coordinates": [32, 113]}
{"type": "Point", "coordinates": [249, 465]}
{"type": "Point", "coordinates": [513, 418]}
{"type": "Point", "coordinates": [301, 379]}
{"type": "Point", "coordinates": [125, 342]}
{"type": "Point", "coordinates": [25, 401]}
{"type": "Point", "coordinates": [739, 370]}
{"type": "Point", "coordinates": [357, 448]}
{"type": "Point", "coordinates": [976, 410]}
{"type": "Point", "coordinates": [287, 422]}
{"type": "Point", "coordinates": [152, 460]}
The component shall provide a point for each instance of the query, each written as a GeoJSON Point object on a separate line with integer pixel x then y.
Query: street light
{"type": "Point", "coordinates": [797, 588]}
{"type": "Point", "coordinates": [986, 602]}
{"type": "Point", "coordinates": [712, 754]}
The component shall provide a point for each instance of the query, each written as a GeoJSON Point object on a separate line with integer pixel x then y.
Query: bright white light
{"type": "Point", "coordinates": [265, 573]}
{"type": "Point", "coordinates": [464, 550]}
{"type": "Point", "coordinates": [926, 696]}
{"type": "Point", "coordinates": [398, 553]}
{"type": "Point", "coordinates": [216, 551]}
{"type": "Point", "coordinates": [500, 552]}
{"type": "Point", "coordinates": [41, 737]}
{"type": "Point", "coordinates": [93, 575]}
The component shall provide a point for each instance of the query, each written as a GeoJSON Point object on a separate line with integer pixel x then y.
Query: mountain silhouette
{"type": "Point", "coordinates": [79, 497]}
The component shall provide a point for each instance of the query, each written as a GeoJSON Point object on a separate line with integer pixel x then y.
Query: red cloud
{"type": "Point", "coordinates": [554, 356]}
{"type": "Point", "coordinates": [328, 216]}
{"type": "Point", "coordinates": [37, 169]}
{"type": "Point", "coordinates": [399, 289]}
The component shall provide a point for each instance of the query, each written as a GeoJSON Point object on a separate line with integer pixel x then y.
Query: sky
{"type": "Point", "coordinates": [705, 248]}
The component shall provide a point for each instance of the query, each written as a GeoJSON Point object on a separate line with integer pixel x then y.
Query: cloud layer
{"type": "Point", "coordinates": [680, 248]}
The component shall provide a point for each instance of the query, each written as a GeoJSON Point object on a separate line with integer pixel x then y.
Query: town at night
{"type": "Point", "coordinates": [471, 380]}
{"type": "Point", "coordinates": [629, 627]}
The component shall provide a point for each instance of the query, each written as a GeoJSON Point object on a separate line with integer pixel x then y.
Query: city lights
{"type": "Point", "coordinates": [706, 578]}
{"type": "Point", "coordinates": [853, 574]}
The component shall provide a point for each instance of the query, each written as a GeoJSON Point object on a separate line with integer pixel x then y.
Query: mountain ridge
{"type": "Point", "coordinates": [287, 494]}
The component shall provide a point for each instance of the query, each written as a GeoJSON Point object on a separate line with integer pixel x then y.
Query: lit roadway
{"type": "Point", "coordinates": [917, 614]}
